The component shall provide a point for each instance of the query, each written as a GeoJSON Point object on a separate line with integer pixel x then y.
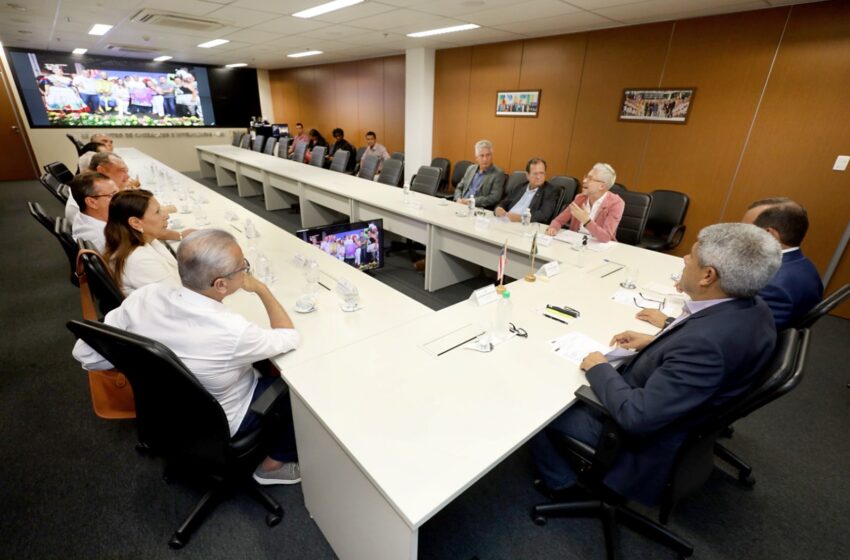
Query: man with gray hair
{"type": "Point", "coordinates": [710, 354]}
{"type": "Point", "coordinates": [102, 138]}
{"type": "Point", "coordinates": [217, 345]}
{"type": "Point", "coordinates": [484, 182]}
{"type": "Point", "coordinates": [595, 211]}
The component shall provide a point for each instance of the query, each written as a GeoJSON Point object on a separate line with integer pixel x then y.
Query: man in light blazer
{"type": "Point", "coordinates": [485, 182]}
{"type": "Point", "coordinates": [537, 195]}
{"type": "Point", "coordinates": [596, 211]}
{"type": "Point", "coordinates": [710, 354]}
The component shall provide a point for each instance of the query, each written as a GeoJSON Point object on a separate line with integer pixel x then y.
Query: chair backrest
{"type": "Point", "coordinates": [445, 167]}
{"type": "Point", "coordinates": [62, 232]}
{"type": "Point", "coordinates": [101, 283]}
{"type": "Point", "coordinates": [257, 144]}
{"type": "Point", "coordinates": [392, 173]}
{"type": "Point", "coordinates": [54, 187]}
{"type": "Point", "coordinates": [367, 170]}
{"type": "Point", "coordinates": [515, 179]}
{"type": "Point", "coordinates": [175, 415]}
{"type": "Point", "coordinates": [460, 171]}
{"type": "Point", "coordinates": [630, 230]}
{"type": "Point", "coordinates": [568, 187]}
{"type": "Point", "coordinates": [668, 210]}
{"type": "Point", "coordinates": [37, 212]}
{"type": "Point", "coordinates": [340, 161]}
{"type": "Point", "coordinates": [77, 144]}
{"type": "Point", "coordinates": [398, 155]}
{"type": "Point", "coordinates": [59, 171]}
{"type": "Point", "coordinates": [63, 193]}
{"type": "Point", "coordinates": [617, 188]}
{"type": "Point", "coordinates": [237, 138]}
{"type": "Point", "coordinates": [427, 180]}
{"type": "Point", "coordinates": [283, 147]}
{"type": "Point", "coordinates": [300, 152]}
{"type": "Point", "coordinates": [826, 305]}
{"type": "Point", "coordinates": [359, 154]}
{"type": "Point", "coordinates": [246, 141]}
{"type": "Point", "coordinates": [318, 157]}
{"type": "Point", "coordinates": [269, 147]}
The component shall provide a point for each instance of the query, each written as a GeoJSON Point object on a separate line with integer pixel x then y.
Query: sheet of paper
{"type": "Point", "coordinates": [574, 346]}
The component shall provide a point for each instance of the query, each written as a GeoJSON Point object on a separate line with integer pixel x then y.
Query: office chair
{"type": "Point", "coordinates": [257, 144]}
{"type": "Point", "coordinates": [392, 173]}
{"type": "Point", "coordinates": [300, 152]}
{"type": "Point", "coordinates": [269, 147]}
{"type": "Point", "coordinates": [59, 171]}
{"type": "Point", "coordinates": [245, 143]}
{"type": "Point", "coordinates": [283, 147]}
{"type": "Point", "coordinates": [53, 186]}
{"type": "Point", "coordinates": [50, 224]}
{"type": "Point", "coordinates": [444, 166]}
{"type": "Point", "coordinates": [398, 155]}
{"type": "Point", "coordinates": [184, 424]}
{"type": "Point", "coordinates": [317, 159]}
{"type": "Point", "coordinates": [515, 179]}
{"type": "Point", "coordinates": [459, 172]}
{"type": "Point", "coordinates": [618, 189]}
{"type": "Point", "coordinates": [426, 180]}
{"type": "Point", "coordinates": [101, 283]}
{"type": "Point", "coordinates": [340, 161]}
{"type": "Point", "coordinates": [691, 467]}
{"type": "Point", "coordinates": [826, 305]}
{"type": "Point", "coordinates": [237, 138]}
{"type": "Point", "coordinates": [630, 230]}
{"type": "Point", "coordinates": [77, 144]}
{"type": "Point", "coordinates": [369, 167]}
{"type": "Point", "coordinates": [569, 186]}
{"type": "Point", "coordinates": [358, 157]}
{"type": "Point", "coordinates": [665, 224]}
{"type": "Point", "coordinates": [62, 232]}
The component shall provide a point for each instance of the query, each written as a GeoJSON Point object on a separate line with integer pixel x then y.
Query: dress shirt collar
{"type": "Point", "coordinates": [790, 249]}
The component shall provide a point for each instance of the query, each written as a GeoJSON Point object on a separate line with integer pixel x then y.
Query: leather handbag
{"type": "Point", "coordinates": [111, 393]}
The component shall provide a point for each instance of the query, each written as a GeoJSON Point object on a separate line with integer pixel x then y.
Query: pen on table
{"type": "Point", "coordinates": [555, 319]}
{"type": "Point", "coordinates": [613, 262]}
{"type": "Point", "coordinates": [612, 272]}
{"type": "Point", "coordinates": [236, 228]}
{"type": "Point", "coordinates": [569, 311]}
{"type": "Point", "coordinates": [322, 285]}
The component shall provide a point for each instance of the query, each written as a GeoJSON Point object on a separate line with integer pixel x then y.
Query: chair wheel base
{"type": "Point", "coordinates": [272, 519]}
{"type": "Point", "coordinates": [176, 542]}
{"type": "Point", "coordinates": [539, 520]}
{"type": "Point", "coordinates": [747, 481]}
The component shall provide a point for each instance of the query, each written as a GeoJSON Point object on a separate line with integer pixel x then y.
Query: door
{"type": "Point", "coordinates": [17, 160]}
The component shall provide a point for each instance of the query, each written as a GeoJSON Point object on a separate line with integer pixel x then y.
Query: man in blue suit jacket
{"type": "Point", "coordinates": [707, 356]}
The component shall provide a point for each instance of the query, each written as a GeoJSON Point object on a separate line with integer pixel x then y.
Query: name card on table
{"type": "Point", "coordinates": [549, 269]}
{"type": "Point", "coordinates": [482, 222]}
{"type": "Point", "coordinates": [485, 295]}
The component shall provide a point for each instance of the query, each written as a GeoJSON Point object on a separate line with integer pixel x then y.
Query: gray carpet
{"type": "Point", "coordinates": [72, 485]}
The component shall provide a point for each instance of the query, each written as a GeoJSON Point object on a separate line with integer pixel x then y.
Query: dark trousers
{"type": "Point", "coordinates": [578, 422]}
{"type": "Point", "coordinates": [283, 444]}
{"type": "Point", "coordinates": [169, 106]}
{"type": "Point", "coordinates": [92, 100]}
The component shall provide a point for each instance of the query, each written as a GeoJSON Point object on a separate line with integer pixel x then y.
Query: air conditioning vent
{"type": "Point", "coordinates": [177, 21]}
{"type": "Point", "coordinates": [131, 49]}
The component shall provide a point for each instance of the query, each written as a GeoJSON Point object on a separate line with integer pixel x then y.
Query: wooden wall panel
{"type": "Point", "coordinates": [394, 103]}
{"type": "Point", "coordinates": [285, 98]}
{"type": "Point", "coordinates": [323, 97]}
{"type": "Point", "coordinates": [370, 86]}
{"type": "Point", "coordinates": [729, 70]}
{"type": "Point", "coordinates": [346, 102]}
{"type": "Point", "coordinates": [553, 65]}
{"type": "Point", "coordinates": [615, 59]}
{"type": "Point", "coordinates": [452, 74]}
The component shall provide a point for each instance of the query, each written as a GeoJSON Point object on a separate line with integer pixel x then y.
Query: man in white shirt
{"type": "Point", "coordinates": [92, 191]}
{"type": "Point", "coordinates": [217, 345]}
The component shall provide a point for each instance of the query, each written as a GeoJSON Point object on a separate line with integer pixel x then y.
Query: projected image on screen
{"type": "Point", "coordinates": [105, 92]}
{"type": "Point", "coordinates": [360, 246]}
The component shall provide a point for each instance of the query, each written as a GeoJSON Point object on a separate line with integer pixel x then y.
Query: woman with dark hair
{"type": "Point", "coordinates": [133, 251]}
{"type": "Point", "coordinates": [316, 139]}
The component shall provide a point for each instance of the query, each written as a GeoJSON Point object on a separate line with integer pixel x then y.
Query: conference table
{"type": "Point", "coordinates": [397, 410]}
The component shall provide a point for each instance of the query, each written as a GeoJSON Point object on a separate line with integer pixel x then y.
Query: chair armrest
{"type": "Point", "coordinates": [586, 395]}
{"type": "Point", "coordinates": [676, 235]}
{"type": "Point", "coordinates": [269, 398]}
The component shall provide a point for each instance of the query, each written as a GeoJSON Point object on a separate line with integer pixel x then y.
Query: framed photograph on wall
{"type": "Point", "coordinates": [660, 105]}
{"type": "Point", "coordinates": [518, 103]}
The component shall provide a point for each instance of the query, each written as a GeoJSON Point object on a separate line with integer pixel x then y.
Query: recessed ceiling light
{"type": "Point", "coordinates": [235, 65]}
{"type": "Point", "coordinates": [162, 58]}
{"type": "Point", "coordinates": [304, 53]}
{"type": "Point", "coordinates": [79, 51]}
{"type": "Point", "coordinates": [464, 27]}
{"type": "Point", "coordinates": [325, 8]}
{"type": "Point", "coordinates": [99, 29]}
{"type": "Point", "coordinates": [213, 43]}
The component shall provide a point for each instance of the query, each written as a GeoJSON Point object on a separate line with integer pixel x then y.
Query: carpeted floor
{"type": "Point", "coordinates": [72, 485]}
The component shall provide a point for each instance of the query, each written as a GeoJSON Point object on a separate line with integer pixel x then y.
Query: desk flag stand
{"type": "Point", "coordinates": [530, 277]}
{"type": "Point", "coordinates": [503, 261]}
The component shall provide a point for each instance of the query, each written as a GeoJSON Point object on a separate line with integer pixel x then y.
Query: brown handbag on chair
{"type": "Point", "coordinates": [111, 394]}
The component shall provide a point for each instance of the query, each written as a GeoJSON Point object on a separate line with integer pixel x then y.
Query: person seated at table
{"type": "Point", "coordinates": [217, 345]}
{"type": "Point", "coordinates": [299, 138]}
{"type": "Point", "coordinates": [710, 354]}
{"type": "Point", "coordinates": [485, 181]}
{"type": "Point", "coordinates": [104, 139]}
{"type": "Point", "coordinates": [113, 166]}
{"type": "Point", "coordinates": [796, 287]}
{"type": "Point", "coordinates": [536, 195]}
{"type": "Point", "coordinates": [87, 152]}
{"type": "Point", "coordinates": [595, 211]}
{"type": "Point", "coordinates": [316, 139]}
{"type": "Point", "coordinates": [340, 143]}
{"type": "Point", "coordinates": [133, 250]}
{"type": "Point", "coordinates": [375, 150]}
{"type": "Point", "coordinates": [93, 192]}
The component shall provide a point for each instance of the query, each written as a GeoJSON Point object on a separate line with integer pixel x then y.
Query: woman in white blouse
{"type": "Point", "coordinates": [134, 253]}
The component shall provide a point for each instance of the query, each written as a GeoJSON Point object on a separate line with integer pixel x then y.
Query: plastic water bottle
{"type": "Point", "coordinates": [526, 218]}
{"type": "Point", "coordinates": [407, 194]}
{"type": "Point", "coordinates": [472, 206]}
{"type": "Point", "coordinates": [501, 328]}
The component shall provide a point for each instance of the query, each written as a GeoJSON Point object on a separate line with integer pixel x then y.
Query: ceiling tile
{"type": "Point", "coordinates": [287, 7]}
{"type": "Point", "coordinates": [366, 9]}
{"type": "Point", "coordinates": [520, 11]}
{"type": "Point", "coordinates": [186, 7]}
{"type": "Point", "coordinates": [402, 19]}
{"type": "Point", "coordinates": [569, 23]}
{"type": "Point", "coordinates": [288, 25]}
{"type": "Point", "coordinates": [241, 17]}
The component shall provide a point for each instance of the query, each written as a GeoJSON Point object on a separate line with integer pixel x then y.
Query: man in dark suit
{"type": "Point", "coordinates": [485, 182]}
{"type": "Point", "coordinates": [796, 287]}
{"type": "Point", "coordinates": [707, 356]}
{"type": "Point", "coordinates": [537, 195]}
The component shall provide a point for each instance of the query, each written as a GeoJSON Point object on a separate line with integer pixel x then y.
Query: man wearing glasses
{"type": "Point", "coordinates": [92, 191]}
{"type": "Point", "coordinates": [595, 211]}
{"type": "Point", "coordinates": [217, 345]}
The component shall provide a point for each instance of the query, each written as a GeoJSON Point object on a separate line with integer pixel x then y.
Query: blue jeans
{"type": "Point", "coordinates": [283, 444]}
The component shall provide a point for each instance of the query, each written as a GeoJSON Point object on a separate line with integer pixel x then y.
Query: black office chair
{"type": "Point", "coordinates": [445, 167]}
{"type": "Point", "coordinates": [245, 143]}
{"type": "Point", "coordinates": [515, 179]}
{"type": "Point", "coordinates": [317, 159]}
{"type": "Point", "coordinates": [299, 152]}
{"type": "Point", "coordinates": [59, 171]}
{"type": "Point", "coordinates": [369, 167]}
{"type": "Point", "coordinates": [184, 424]}
{"type": "Point", "coordinates": [392, 173]}
{"type": "Point", "coordinates": [569, 186]}
{"type": "Point", "coordinates": [237, 138]}
{"type": "Point", "coordinates": [617, 188]}
{"type": "Point", "coordinates": [398, 155]}
{"type": "Point", "coordinates": [269, 147]}
{"type": "Point", "coordinates": [340, 161]}
{"type": "Point", "coordinates": [257, 144]}
{"type": "Point", "coordinates": [460, 171]}
{"type": "Point", "coordinates": [426, 180]}
{"type": "Point", "coordinates": [692, 465]}
{"type": "Point", "coordinates": [665, 224]}
{"type": "Point", "coordinates": [283, 147]}
{"type": "Point", "coordinates": [630, 230]}
{"type": "Point", "coordinates": [102, 285]}
{"type": "Point", "coordinates": [54, 187]}
{"type": "Point", "coordinates": [62, 232]}
{"type": "Point", "coordinates": [826, 305]}
{"type": "Point", "coordinates": [77, 144]}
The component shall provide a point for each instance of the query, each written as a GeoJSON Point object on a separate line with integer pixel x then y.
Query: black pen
{"type": "Point", "coordinates": [612, 272]}
{"type": "Point", "coordinates": [555, 319]}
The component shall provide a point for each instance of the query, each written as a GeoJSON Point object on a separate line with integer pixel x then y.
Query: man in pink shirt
{"type": "Point", "coordinates": [375, 149]}
{"type": "Point", "coordinates": [298, 138]}
{"type": "Point", "coordinates": [595, 211]}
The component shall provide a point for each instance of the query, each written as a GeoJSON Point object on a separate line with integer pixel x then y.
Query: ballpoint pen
{"type": "Point", "coordinates": [566, 310]}
{"type": "Point", "coordinates": [555, 319]}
